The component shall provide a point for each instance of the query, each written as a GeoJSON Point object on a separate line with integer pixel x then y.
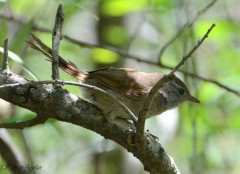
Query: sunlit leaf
{"type": "Point", "coordinates": [122, 7]}
{"type": "Point", "coordinates": [104, 56]}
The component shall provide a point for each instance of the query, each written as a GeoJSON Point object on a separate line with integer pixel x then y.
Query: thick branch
{"type": "Point", "coordinates": [62, 82]}
{"type": "Point", "coordinates": [49, 102]}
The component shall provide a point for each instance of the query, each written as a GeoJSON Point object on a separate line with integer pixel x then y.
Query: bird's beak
{"type": "Point", "coordinates": [192, 99]}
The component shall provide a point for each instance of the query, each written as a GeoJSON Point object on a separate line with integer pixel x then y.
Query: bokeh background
{"type": "Point", "coordinates": [202, 138]}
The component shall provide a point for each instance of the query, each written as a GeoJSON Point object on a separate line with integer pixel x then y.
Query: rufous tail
{"type": "Point", "coordinates": [68, 67]}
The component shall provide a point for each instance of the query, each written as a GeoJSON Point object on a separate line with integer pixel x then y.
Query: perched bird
{"type": "Point", "coordinates": [128, 85]}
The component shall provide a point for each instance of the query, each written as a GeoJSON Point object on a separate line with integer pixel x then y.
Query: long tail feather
{"type": "Point", "coordinates": [68, 67]}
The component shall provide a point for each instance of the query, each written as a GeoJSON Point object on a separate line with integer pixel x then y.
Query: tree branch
{"type": "Point", "coordinates": [57, 103]}
{"type": "Point", "coordinates": [143, 113]}
{"type": "Point", "coordinates": [62, 82]}
{"type": "Point", "coordinates": [56, 38]}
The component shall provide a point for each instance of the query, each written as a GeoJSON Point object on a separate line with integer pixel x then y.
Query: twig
{"type": "Point", "coordinates": [180, 31]}
{"type": "Point", "coordinates": [5, 56]}
{"type": "Point", "coordinates": [62, 82]}
{"type": "Point", "coordinates": [143, 113]}
{"type": "Point", "coordinates": [192, 51]}
{"type": "Point", "coordinates": [56, 37]}
{"type": "Point", "coordinates": [24, 124]}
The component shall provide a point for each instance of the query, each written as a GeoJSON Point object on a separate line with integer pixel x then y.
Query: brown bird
{"type": "Point", "coordinates": [128, 85]}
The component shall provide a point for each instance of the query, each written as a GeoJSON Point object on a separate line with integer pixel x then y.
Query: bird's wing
{"type": "Point", "coordinates": [127, 81]}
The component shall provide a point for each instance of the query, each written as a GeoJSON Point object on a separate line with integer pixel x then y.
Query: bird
{"type": "Point", "coordinates": [130, 86]}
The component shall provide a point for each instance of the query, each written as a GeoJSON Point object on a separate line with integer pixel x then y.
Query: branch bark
{"type": "Point", "coordinates": [62, 82]}
{"type": "Point", "coordinates": [57, 103]}
{"type": "Point", "coordinates": [56, 38]}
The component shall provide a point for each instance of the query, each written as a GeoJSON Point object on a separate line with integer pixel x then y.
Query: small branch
{"type": "Point", "coordinates": [56, 37]}
{"type": "Point", "coordinates": [143, 113]}
{"type": "Point", "coordinates": [5, 56]}
{"type": "Point", "coordinates": [199, 43]}
{"type": "Point", "coordinates": [61, 82]}
{"type": "Point", "coordinates": [188, 24]}
{"type": "Point", "coordinates": [24, 124]}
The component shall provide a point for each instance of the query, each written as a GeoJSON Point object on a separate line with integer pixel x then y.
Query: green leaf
{"type": "Point", "coordinates": [104, 56]}
{"type": "Point", "coordinates": [18, 60]}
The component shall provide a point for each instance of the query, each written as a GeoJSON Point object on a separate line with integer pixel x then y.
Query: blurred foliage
{"type": "Point", "coordinates": [202, 139]}
{"type": "Point", "coordinates": [123, 7]}
{"type": "Point", "coordinates": [104, 56]}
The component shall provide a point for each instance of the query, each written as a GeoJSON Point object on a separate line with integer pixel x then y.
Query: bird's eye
{"type": "Point", "coordinates": [181, 91]}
